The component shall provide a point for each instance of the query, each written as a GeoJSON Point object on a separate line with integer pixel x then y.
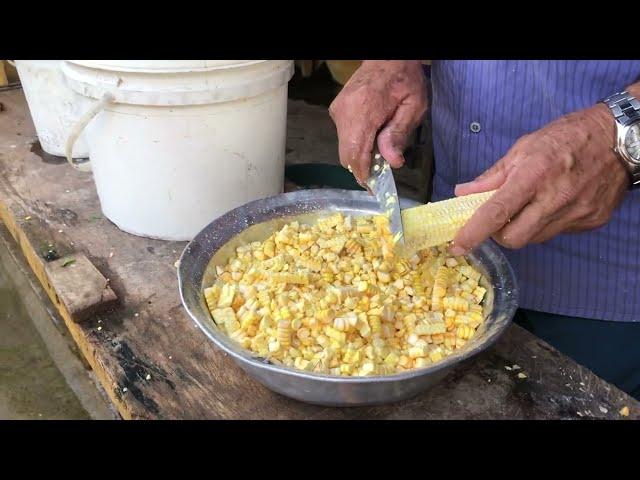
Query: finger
{"type": "Point", "coordinates": [392, 139]}
{"type": "Point", "coordinates": [492, 179]}
{"type": "Point", "coordinates": [357, 153]}
{"type": "Point", "coordinates": [551, 230]}
{"type": "Point", "coordinates": [524, 226]}
{"type": "Point", "coordinates": [508, 201]}
{"type": "Point", "coordinates": [567, 220]}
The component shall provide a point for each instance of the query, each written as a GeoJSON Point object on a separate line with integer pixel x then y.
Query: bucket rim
{"type": "Point", "coordinates": [178, 88]}
{"type": "Point", "coordinates": [196, 66]}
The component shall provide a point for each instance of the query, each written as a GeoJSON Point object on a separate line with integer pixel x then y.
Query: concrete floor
{"type": "Point", "coordinates": [31, 386]}
{"type": "Point", "coordinates": [41, 374]}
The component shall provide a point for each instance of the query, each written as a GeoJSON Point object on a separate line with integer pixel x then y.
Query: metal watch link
{"type": "Point", "coordinates": [626, 111]}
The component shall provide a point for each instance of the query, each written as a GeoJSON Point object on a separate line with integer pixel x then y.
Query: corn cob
{"type": "Point", "coordinates": [439, 222]}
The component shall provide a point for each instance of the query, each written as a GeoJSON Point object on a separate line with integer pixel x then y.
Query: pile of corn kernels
{"type": "Point", "coordinates": [333, 298]}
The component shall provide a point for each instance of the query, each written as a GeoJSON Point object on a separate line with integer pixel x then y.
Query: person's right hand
{"type": "Point", "coordinates": [383, 98]}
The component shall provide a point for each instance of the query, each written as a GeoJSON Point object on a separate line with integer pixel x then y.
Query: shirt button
{"type": "Point", "coordinates": [475, 127]}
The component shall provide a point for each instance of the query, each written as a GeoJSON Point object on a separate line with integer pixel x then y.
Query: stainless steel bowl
{"type": "Point", "coordinates": [255, 221]}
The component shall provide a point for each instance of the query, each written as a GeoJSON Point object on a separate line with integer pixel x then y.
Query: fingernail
{"type": "Point", "coordinates": [457, 251]}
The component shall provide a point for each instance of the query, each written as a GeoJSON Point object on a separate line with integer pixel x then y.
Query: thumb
{"type": "Point", "coordinates": [392, 139]}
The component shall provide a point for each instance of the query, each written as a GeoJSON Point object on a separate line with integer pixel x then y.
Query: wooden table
{"type": "Point", "coordinates": [153, 361]}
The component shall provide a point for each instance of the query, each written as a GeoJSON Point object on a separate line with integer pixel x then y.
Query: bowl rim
{"type": "Point", "coordinates": [245, 357]}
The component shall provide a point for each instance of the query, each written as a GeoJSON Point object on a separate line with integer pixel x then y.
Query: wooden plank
{"type": "Point", "coordinates": [80, 286]}
{"type": "Point", "coordinates": [154, 362]}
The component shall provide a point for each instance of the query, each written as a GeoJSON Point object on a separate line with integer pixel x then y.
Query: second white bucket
{"type": "Point", "coordinates": [54, 107]}
{"type": "Point", "coordinates": [174, 145]}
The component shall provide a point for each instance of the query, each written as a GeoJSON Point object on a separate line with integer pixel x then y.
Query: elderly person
{"type": "Point", "coordinates": [559, 147]}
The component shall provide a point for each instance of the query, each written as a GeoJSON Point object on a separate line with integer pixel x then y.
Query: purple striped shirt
{"type": "Point", "coordinates": [595, 274]}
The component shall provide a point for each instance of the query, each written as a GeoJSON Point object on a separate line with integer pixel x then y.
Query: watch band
{"type": "Point", "coordinates": [624, 106]}
{"type": "Point", "coordinates": [626, 110]}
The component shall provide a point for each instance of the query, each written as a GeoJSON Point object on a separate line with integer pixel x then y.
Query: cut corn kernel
{"type": "Point", "coordinates": [333, 298]}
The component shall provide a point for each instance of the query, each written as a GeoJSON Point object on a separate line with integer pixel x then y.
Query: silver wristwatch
{"type": "Point", "coordinates": [626, 110]}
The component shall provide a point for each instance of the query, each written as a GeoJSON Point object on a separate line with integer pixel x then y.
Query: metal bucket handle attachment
{"type": "Point", "coordinates": [80, 126]}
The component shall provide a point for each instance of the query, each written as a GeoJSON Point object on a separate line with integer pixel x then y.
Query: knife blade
{"type": "Point", "coordinates": [382, 184]}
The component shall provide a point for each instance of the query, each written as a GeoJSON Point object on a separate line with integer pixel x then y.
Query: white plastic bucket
{"type": "Point", "coordinates": [54, 107]}
{"type": "Point", "coordinates": [174, 145]}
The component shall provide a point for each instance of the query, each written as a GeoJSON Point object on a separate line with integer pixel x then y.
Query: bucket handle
{"type": "Point", "coordinates": [80, 126]}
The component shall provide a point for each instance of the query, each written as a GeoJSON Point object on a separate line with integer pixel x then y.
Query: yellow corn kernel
{"type": "Point", "coordinates": [226, 317]}
{"type": "Point", "coordinates": [391, 359]}
{"type": "Point", "coordinates": [238, 301]}
{"type": "Point", "coordinates": [475, 309]}
{"type": "Point", "coordinates": [450, 339]}
{"type": "Point", "coordinates": [211, 296]}
{"type": "Point", "coordinates": [383, 277]}
{"type": "Point", "coordinates": [436, 355]}
{"type": "Point", "coordinates": [375, 323]}
{"type": "Point", "coordinates": [285, 313]}
{"type": "Point", "coordinates": [274, 346]}
{"type": "Point", "coordinates": [367, 368]}
{"type": "Point", "coordinates": [415, 352]}
{"type": "Point", "coordinates": [403, 361]}
{"type": "Point", "coordinates": [421, 362]}
{"type": "Point", "coordinates": [248, 319]}
{"type": "Point", "coordinates": [364, 229]}
{"type": "Point", "coordinates": [479, 293]}
{"type": "Point", "coordinates": [464, 331]}
{"type": "Point", "coordinates": [469, 272]}
{"type": "Point", "coordinates": [284, 333]}
{"type": "Point", "coordinates": [301, 363]}
{"type": "Point", "coordinates": [336, 335]}
{"type": "Point", "coordinates": [227, 294]}
{"type": "Point", "coordinates": [339, 323]}
{"type": "Point", "coordinates": [386, 331]}
{"type": "Point", "coordinates": [294, 352]}
{"type": "Point", "coordinates": [475, 318]}
{"type": "Point", "coordinates": [457, 304]}
{"type": "Point", "coordinates": [346, 369]}
{"type": "Point", "coordinates": [269, 248]}
{"type": "Point", "coordinates": [295, 278]}
{"type": "Point", "coordinates": [430, 328]}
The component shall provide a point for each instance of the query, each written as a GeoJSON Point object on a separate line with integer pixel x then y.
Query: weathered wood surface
{"type": "Point", "coordinates": [155, 363]}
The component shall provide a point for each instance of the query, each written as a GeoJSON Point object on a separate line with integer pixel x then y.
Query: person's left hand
{"type": "Point", "coordinates": [562, 178]}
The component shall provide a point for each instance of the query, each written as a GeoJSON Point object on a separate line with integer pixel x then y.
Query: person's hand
{"type": "Point", "coordinates": [383, 98]}
{"type": "Point", "coordinates": [562, 178]}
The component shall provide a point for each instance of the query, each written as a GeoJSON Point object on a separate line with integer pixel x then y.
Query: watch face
{"type": "Point", "coordinates": [632, 141]}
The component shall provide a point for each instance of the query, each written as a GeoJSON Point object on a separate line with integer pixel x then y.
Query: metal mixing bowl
{"type": "Point", "coordinates": [255, 221]}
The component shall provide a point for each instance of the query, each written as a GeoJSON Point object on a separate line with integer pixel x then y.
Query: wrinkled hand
{"type": "Point", "coordinates": [388, 97]}
{"type": "Point", "coordinates": [562, 178]}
